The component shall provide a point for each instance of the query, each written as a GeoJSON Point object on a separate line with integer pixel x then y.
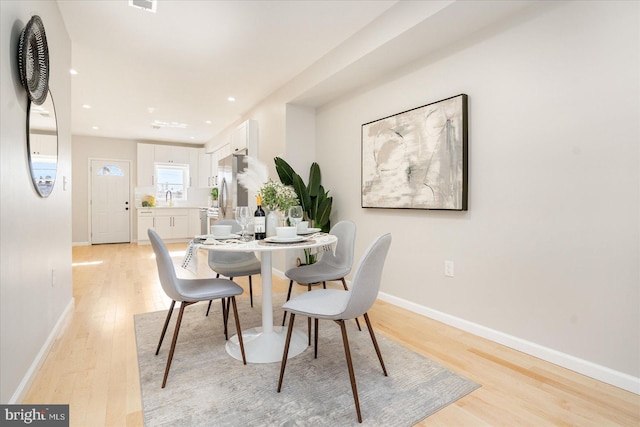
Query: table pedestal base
{"type": "Point", "coordinates": [267, 347]}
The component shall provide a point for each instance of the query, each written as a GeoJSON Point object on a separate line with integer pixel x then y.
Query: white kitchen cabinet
{"type": "Point", "coordinates": [146, 220]}
{"type": "Point", "coordinates": [171, 154]}
{"type": "Point", "coordinates": [222, 152]}
{"type": "Point", "coordinates": [208, 165]}
{"type": "Point", "coordinates": [172, 223]}
{"type": "Point", "coordinates": [43, 145]}
{"type": "Point", "coordinates": [145, 165]}
{"type": "Point", "coordinates": [245, 137]}
{"type": "Point", "coordinates": [205, 169]}
{"type": "Point", "coordinates": [193, 166]}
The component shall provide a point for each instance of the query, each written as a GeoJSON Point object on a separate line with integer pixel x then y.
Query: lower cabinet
{"type": "Point", "coordinates": [170, 224]}
{"type": "Point", "coordinates": [146, 220]}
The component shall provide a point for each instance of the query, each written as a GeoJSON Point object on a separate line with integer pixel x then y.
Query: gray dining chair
{"type": "Point", "coordinates": [234, 264]}
{"type": "Point", "coordinates": [339, 306]}
{"type": "Point", "coordinates": [190, 291]}
{"type": "Point", "coordinates": [332, 266]}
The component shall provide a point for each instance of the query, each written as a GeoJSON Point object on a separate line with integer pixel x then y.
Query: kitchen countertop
{"type": "Point", "coordinates": [170, 207]}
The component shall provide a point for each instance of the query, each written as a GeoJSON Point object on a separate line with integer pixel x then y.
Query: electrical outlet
{"type": "Point", "coordinates": [448, 268]}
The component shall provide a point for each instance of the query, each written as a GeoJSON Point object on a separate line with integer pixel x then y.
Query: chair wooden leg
{"type": "Point", "coordinates": [352, 375]}
{"type": "Point", "coordinates": [324, 285]}
{"type": "Point", "coordinates": [225, 317]}
{"type": "Point", "coordinates": [183, 304]}
{"type": "Point", "coordinates": [284, 317]}
{"type": "Point", "coordinates": [315, 353]}
{"type": "Point", "coordinates": [286, 351]}
{"type": "Point", "coordinates": [375, 343]}
{"type": "Point", "coordinates": [166, 323]}
{"type": "Point", "coordinates": [309, 329]}
{"type": "Point", "coordinates": [238, 329]}
{"type": "Point", "coordinates": [251, 291]}
{"type": "Point", "coordinates": [209, 307]}
{"type": "Point", "coordinates": [210, 301]}
{"type": "Point", "coordinates": [344, 284]}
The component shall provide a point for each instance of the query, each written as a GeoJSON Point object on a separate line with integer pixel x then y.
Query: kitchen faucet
{"type": "Point", "coordinates": [169, 197]}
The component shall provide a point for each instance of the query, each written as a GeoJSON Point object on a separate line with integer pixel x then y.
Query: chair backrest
{"type": "Point", "coordinates": [220, 259]}
{"type": "Point", "coordinates": [366, 281]}
{"type": "Point", "coordinates": [345, 231]}
{"type": "Point", "coordinates": [166, 270]}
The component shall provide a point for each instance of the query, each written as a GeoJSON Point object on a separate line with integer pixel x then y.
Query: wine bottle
{"type": "Point", "coordinates": [260, 227]}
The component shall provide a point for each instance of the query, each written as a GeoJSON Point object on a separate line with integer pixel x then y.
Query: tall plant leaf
{"type": "Point", "coordinates": [285, 171]}
{"type": "Point", "coordinates": [324, 211]}
{"type": "Point", "coordinates": [314, 179]}
{"type": "Point", "coordinates": [303, 194]}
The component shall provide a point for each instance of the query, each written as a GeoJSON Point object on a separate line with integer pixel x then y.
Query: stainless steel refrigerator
{"type": "Point", "coordinates": [231, 193]}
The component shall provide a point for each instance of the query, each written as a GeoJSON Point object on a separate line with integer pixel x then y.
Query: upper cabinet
{"type": "Point", "coordinates": [171, 154]}
{"type": "Point", "coordinates": [245, 137]}
{"type": "Point", "coordinates": [205, 171]}
{"type": "Point", "coordinates": [208, 165]}
{"type": "Point", "coordinates": [145, 165]}
{"type": "Point", "coordinates": [150, 154]}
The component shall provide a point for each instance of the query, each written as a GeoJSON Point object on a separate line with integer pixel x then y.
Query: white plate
{"type": "Point", "coordinates": [309, 231]}
{"type": "Point", "coordinates": [228, 236]}
{"type": "Point", "coordinates": [276, 239]}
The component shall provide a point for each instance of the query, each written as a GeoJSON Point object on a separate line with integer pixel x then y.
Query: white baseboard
{"type": "Point", "coordinates": [33, 370]}
{"type": "Point", "coordinates": [590, 369]}
{"type": "Point", "coordinates": [79, 243]}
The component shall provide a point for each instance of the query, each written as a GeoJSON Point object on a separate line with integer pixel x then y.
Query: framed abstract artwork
{"type": "Point", "coordinates": [417, 159]}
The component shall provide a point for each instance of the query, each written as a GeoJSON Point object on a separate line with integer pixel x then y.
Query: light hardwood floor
{"type": "Point", "coordinates": [93, 366]}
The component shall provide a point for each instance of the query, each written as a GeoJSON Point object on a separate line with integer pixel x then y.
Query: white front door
{"type": "Point", "coordinates": [110, 205]}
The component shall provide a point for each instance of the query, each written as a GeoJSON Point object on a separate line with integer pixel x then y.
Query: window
{"type": "Point", "coordinates": [110, 170]}
{"type": "Point", "coordinates": [174, 178]}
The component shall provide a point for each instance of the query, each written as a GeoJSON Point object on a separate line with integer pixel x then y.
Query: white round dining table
{"type": "Point", "coordinates": [265, 344]}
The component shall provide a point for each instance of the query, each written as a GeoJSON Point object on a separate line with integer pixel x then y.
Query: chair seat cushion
{"type": "Point", "coordinates": [315, 273]}
{"type": "Point", "coordinates": [239, 269]}
{"type": "Point", "coordinates": [234, 264]}
{"type": "Point", "coordinates": [193, 290]}
{"type": "Point", "coordinates": [321, 303]}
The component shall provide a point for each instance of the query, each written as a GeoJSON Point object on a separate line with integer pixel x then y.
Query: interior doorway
{"type": "Point", "coordinates": [110, 201]}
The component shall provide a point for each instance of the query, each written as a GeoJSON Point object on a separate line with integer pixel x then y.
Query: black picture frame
{"type": "Point", "coordinates": [417, 159]}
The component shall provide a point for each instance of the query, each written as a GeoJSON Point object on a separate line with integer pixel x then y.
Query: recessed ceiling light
{"type": "Point", "coordinates": [86, 106]}
{"type": "Point", "coordinates": [95, 128]}
{"type": "Point", "coordinates": [160, 124]}
{"type": "Point", "coordinates": [192, 137]}
{"type": "Point", "coordinates": [148, 5]}
{"type": "Point", "coordinates": [151, 110]}
{"type": "Point", "coordinates": [231, 99]}
{"type": "Point", "coordinates": [73, 72]}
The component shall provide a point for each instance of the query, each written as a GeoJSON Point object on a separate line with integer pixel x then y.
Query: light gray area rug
{"type": "Point", "coordinates": [207, 387]}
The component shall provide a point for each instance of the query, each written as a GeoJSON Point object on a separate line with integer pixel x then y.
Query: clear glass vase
{"type": "Point", "coordinates": [273, 221]}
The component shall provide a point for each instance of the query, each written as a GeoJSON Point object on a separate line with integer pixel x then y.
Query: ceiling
{"type": "Point", "coordinates": [180, 64]}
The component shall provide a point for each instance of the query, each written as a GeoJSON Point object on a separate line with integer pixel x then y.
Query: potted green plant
{"type": "Point", "coordinates": [315, 201]}
{"type": "Point", "coordinates": [276, 197]}
{"type": "Point", "coordinates": [214, 196]}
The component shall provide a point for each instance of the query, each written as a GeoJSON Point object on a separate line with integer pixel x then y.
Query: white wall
{"type": "Point", "coordinates": [548, 251]}
{"type": "Point", "coordinates": [300, 123]}
{"type": "Point", "coordinates": [35, 242]}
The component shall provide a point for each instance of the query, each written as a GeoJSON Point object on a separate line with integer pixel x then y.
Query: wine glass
{"type": "Point", "coordinates": [243, 218]}
{"type": "Point", "coordinates": [295, 215]}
